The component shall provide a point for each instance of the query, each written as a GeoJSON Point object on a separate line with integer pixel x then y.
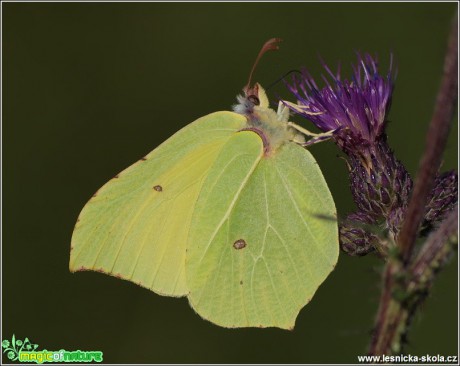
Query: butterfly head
{"type": "Point", "coordinates": [274, 125]}
{"type": "Point", "coordinates": [253, 98]}
{"type": "Point", "coordinates": [254, 105]}
{"type": "Point", "coordinates": [253, 94]}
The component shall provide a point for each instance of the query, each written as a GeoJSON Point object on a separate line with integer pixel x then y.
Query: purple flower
{"type": "Point", "coordinates": [355, 110]}
{"type": "Point", "coordinates": [356, 113]}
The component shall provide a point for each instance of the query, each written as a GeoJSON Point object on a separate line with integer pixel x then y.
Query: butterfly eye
{"type": "Point", "coordinates": [254, 100]}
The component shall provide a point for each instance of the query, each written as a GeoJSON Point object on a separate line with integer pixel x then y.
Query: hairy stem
{"type": "Point", "coordinates": [406, 281]}
{"type": "Point", "coordinates": [405, 289]}
{"type": "Point", "coordinates": [435, 252]}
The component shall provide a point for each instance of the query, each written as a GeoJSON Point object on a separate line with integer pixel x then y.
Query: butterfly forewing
{"type": "Point", "coordinates": [136, 226]}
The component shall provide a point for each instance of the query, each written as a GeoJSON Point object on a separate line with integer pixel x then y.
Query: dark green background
{"type": "Point", "coordinates": [89, 88]}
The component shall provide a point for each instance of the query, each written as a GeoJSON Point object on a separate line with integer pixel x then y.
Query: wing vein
{"type": "Point", "coordinates": [232, 204]}
{"type": "Point", "coordinates": [275, 291]}
{"type": "Point", "coordinates": [299, 213]}
{"type": "Point", "coordinates": [289, 254]}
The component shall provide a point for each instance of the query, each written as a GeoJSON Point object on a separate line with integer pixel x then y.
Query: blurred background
{"type": "Point", "coordinates": [89, 88]}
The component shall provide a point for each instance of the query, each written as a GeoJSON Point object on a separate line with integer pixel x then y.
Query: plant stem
{"type": "Point", "coordinates": [402, 294]}
{"type": "Point", "coordinates": [435, 143]}
{"type": "Point", "coordinates": [406, 281]}
{"type": "Point", "coordinates": [435, 252]}
{"type": "Point", "coordinates": [389, 314]}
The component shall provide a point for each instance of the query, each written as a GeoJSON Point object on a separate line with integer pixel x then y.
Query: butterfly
{"type": "Point", "coordinates": [229, 211]}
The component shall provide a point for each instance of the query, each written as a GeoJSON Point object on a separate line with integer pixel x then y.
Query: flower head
{"type": "Point", "coordinates": [354, 112]}
{"type": "Point", "coordinates": [5, 343]}
{"type": "Point", "coordinates": [443, 198]}
{"type": "Point", "coordinates": [355, 109]}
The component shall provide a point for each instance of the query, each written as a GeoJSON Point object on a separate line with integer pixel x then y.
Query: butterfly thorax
{"type": "Point", "coordinates": [270, 125]}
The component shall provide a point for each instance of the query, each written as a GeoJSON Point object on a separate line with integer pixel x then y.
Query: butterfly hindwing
{"type": "Point", "coordinates": [257, 253]}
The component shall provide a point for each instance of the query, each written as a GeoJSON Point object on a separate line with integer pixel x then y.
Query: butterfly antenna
{"type": "Point", "coordinates": [271, 44]}
{"type": "Point", "coordinates": [282, 78]}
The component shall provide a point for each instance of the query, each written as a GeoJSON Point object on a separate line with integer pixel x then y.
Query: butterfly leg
{"type": "Point", "coordinates": [315, 137]}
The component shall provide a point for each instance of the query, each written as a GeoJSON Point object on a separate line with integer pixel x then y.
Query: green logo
{"type": "Point", "coordinates": [26, 351]}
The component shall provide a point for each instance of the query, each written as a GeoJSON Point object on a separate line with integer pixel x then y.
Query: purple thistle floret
{"type": "Point", "coordinates": [356, 110]}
